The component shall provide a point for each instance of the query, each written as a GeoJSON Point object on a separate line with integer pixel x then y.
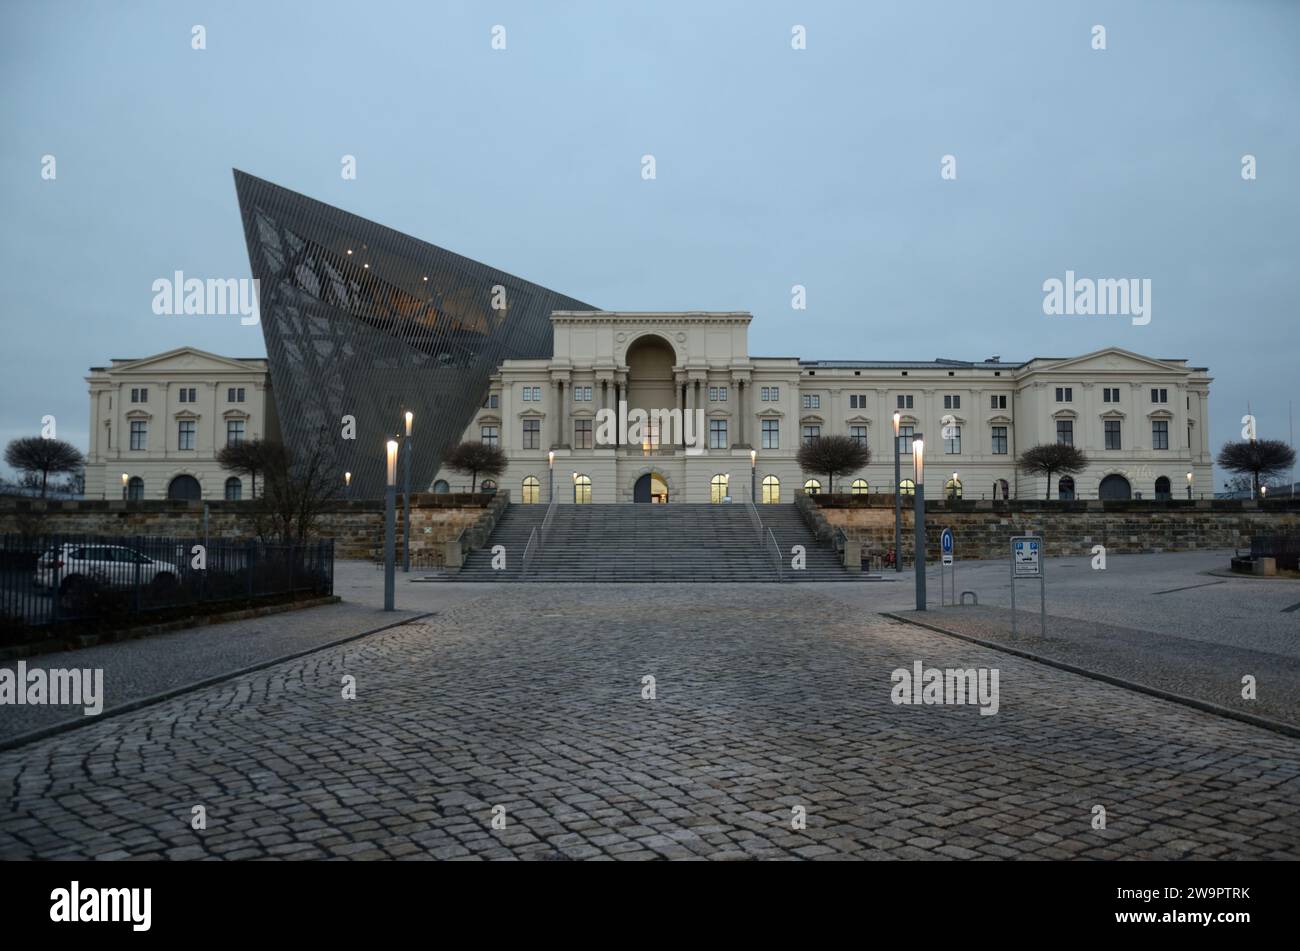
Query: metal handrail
{"type": "Point", "coordinates": [775, 550]}
{"type": "Point", "coordinates": [530, 550]}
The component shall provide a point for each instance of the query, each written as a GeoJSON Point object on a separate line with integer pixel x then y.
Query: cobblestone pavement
{"type": "Point", "coordinates": [766, 700]}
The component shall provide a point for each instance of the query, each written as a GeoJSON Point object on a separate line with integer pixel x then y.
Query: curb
{"type": "Point", "coordinates": [41, 648]}
{"type": "Point", "coordinates": [1275, 726]}
{"type": "Point", "coordinates": [22, 739]}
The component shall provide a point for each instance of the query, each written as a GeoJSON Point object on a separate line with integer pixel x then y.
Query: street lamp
{"type": "Point", "coordinates": [551, 458]}
{"type": "Point", "coordinates": [390, 524]}
{"type": "Point", "coordinates": [753, 475]}
{"type": "Point", "coordinates": [347, 485]}
{"type": "Point", "coordinates": [1189, 486]}
{"type": "Point", "coordinates": [406, 496]}
{"type": "Point", "coordinates": [918, 559]}
{"type": "Point", "coordinates": [125, 480]}
{"type": "Point", "coordinates": [1263, 492]}
{"type": "Point", "coordinates": [898, 502]}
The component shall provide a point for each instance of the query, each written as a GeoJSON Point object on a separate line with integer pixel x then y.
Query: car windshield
{"type": "Point", "coordinates": [129, 555]}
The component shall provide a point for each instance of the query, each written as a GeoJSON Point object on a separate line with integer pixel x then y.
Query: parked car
{"type": "Point", "coordinates": [114, 566]}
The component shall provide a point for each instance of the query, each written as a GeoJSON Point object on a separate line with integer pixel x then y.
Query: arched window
{"type": "Point", "coordinates": [718, 487]}
{"type": "Point", "coordinates": [184, 487]}
{"type": "Point", "coordinates": [1065, 489]}
{"type": "Point", "coordinates": [234, 489]}
{"type": "Point", "coordinates": [812, 487]}
{"type": "Point", "coordinates": [532, 493]}
{"type": "Point", "coordinates": [1162, 488]}
{"type": "Point", "coordinates": [582, 489]}
{"type": "Point", "coordinates": [771, 490]}
{"type": "Point", "coordinates": [1114, 488]}
{"type": "Point", "coordinates": [952, 489]}
{"type": "Point", "coordinates": [860, 487]}
{"type": "Point", "coordinates": [907, 487]}
{"type": "Point", "coordinates": [135, 489]}
{"type": "Point", "coordinates": [488, 485]}
{"type": "Point", "coordinates": [441, 486]}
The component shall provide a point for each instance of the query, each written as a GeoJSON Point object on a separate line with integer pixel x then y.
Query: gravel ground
{"type": "Point", "coordinates": [1189, 666]}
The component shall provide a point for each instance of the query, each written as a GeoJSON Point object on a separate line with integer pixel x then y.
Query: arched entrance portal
{"type": "Point", "coordinates": [1114, 487]}
{"type": "Point", "coordinates": [651, 487]}
{"type": "Point", "coordinates": [184, 487]}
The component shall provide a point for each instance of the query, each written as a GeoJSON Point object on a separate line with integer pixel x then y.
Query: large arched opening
{"type": "Point", "coordinates": [650, 384]}
{"type": "Point", "coordinates": [1114, 488]}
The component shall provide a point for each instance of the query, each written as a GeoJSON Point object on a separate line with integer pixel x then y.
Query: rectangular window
{"type": "Point", "coordinates": [1159, 434]}
{"type": "Point", "coordinates": [859, 435]}
{"type": "Point", "coordinates": [532, 433]}
{"type": "Point", "coordinates": [489, 436]}
{"type": "Point", "coordinates": [999, 440]}
{"type": "Point", "coordinates": [713, 394]}
{"type": "Point", "coordinates": [904, 401]}
{"type": "Point", "coordinates": [722, 394]}
{"type": "Point", "coordinates": [188, 394]}
{"type": "Point", "coordinates": [776, 393]}
{"type": "Point", "coordinates": [1065, 432]}
{"type": "Point", "coordinates": [905, 440]}
{"type": "Point", "coordinates": [811, 434]}
{"type": "Point", "coordinates": [952, 446]}
{"type": "Point", "coordinates": [771, 434]}
{"type": "Point", "coordinates": [812, 401]}
{"type": "Point", "coordinates": [1065, 394]}
{"type": "Point", "coordinates": [582, 434]}
{"type": "Point", "coordinates": [537, 394]}
{"type": "Point", "coordinates": [235, 394]}
{"type": "Point", "coordinates": [1110, 394]}
{"type": "Point", "coordinates": [185, 434]}
{"type": "Point", "coordinates": [491, 401]}
{"type": "Point", "coordinates": [717, 434]}
{"type": "Point", "coordinates": [140, 394]}
{"type": "Point", "coordinates": [234, 432]}
{"type": "Point", "coordinates": [1112, 434]}
{"type": "Point", "coordinates": [998, 401]}
{"type": "Point", "coordinates": [582, 394]}
{"type": "Point", "coordinates": [528, 394]}
{"type": "Point", "coordinates": [952, 401]}
{"type": "Point", "coordinates": [764, 394]}
{"type": "Point", "coordinates": [139, 434]}
{"type": "Point", "coordinates": [1160, 396]}
{"type": "Point", "coordinates": [857, 401]}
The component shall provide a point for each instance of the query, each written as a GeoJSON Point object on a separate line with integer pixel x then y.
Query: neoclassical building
{"type": "Point", "coordinates": [1140, 420]}
{"type": "Point", "coordinates": [157, 423]}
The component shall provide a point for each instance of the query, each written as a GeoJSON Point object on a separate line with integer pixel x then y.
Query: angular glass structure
{"type": "Point", "coordinates": [361, 320]}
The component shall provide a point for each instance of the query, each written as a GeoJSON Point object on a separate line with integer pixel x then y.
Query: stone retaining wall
{"type": "Point", "coordinates": [357, 527]}
{"type": "Point", "coordinates": [984, 529]}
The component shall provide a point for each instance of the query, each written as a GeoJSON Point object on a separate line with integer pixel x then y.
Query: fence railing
{"type": "Point", "coordinates": [1284, 548]}
{"type": "Point", "coordinates": [54, 579]}
{"type": "Point", "coordinates": [537, 538]}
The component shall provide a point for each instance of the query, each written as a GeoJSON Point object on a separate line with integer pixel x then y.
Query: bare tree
{"type": "Point", "coordinates": [471, 458]}
{"type": "Point", "coordinates": [34, 455]}
{"type": "Point", "coordinates": [833, 455]}
{"type": "Point", "coordinates": [1257, 458]}
{"type": "Point", "coordinates": [1052, 457]}
{"type": "Point", "coordinates": [247, 458]}
{"type": "Point", "coordinates": [294, 489]}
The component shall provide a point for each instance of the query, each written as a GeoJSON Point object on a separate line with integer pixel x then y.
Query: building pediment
{"type": "Point", "coordinates": [1109, 359]}
{"type": "Point", "coordinates": [1112, 414]}
{"type": "Point", "coordinates": [1160, 414]}
{"type": "Point", "coordinates": [812, 419]}
{"type": "Point", "coordinates": [859, 420]}
{"type": "Point", "coordinates": [185, 360]}
{"type": "Point", "coordinates": [769, 414]}
{"type": "Point", "coordinates": [1002, 420]}
{"type": "Point", "coordinates": [186, 414]}
{"type": "Point", "coordinates": [1065, 414]}
{"type": "Point", "coordinates": [139, 414]}
{"type": "Point", "coordinates": [489, 420]}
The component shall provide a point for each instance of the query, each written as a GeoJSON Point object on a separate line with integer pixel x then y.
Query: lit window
{"type": "Point", "coordinates": [532, 490]}
{"type": "Point", "coordinates": [812, 487]}
{"type": "Point", "coordinates": [718, 487]}
{"type": "Point", "coordinates": [771, 490]}
{"type": "Point", "coordinates": [582, 490]}
{"type": "Point", "coordinates": [907, 487]}
{"type": "Point", "coordinates": [859, 487]}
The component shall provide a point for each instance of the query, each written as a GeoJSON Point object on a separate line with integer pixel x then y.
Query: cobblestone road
{"type": "Point", "coordinates": [766, 700]}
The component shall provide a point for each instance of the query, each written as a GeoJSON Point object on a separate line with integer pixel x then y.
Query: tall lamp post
{"type": "Point", "coordinates": [918, 460]}
{"type": "Point", "coordinates": [551, 495]}
{"type": "Point", "coordinates": [1189, 486]}
{"type": "Point", "coordinates": [753, 475]}
{"type": "Point", "coordinates": [390, 525]}
{"type": "Point", "coordinates": [125, 480]}
{"type": "Point", "coordinates": [406, 495]}
{"type": "Point", "coordinates": [898, 502]}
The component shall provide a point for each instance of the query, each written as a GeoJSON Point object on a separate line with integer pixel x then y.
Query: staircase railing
{"type": "Point", "coordinates": [775, 551]}
{"type": "Point", "coordinates": [537, 539]}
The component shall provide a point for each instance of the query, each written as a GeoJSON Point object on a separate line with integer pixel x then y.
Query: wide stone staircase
{"type": "Point", "coordinates": [637, 542]}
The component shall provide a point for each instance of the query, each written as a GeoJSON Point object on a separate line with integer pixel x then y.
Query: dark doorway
{"type": "Point", "coordinates": [1114, 487]}
{"type": "Point", "coordinates": [185, 488]}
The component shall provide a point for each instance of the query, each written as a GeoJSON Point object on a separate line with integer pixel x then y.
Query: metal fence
{"type": "Point", "coordinates": [51, 579]}
{"type": "Point", "coordinates": [1284, 548]}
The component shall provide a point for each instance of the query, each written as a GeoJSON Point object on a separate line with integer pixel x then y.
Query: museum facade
{"type": "Point", "coordinates": [1140, 420]}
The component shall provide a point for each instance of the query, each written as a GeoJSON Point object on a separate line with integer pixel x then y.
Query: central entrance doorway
{"type": "Point", "coordinates": [651, 487]}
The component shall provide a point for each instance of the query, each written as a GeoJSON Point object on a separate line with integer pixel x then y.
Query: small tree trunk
{"type": "Point", "coordinates": [1048, 496]}
{"type": "Point", "coordinates": [45, 476]}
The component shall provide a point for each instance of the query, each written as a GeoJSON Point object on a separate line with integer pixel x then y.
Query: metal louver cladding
{"type": "Point", "coordinates": [362, 320]}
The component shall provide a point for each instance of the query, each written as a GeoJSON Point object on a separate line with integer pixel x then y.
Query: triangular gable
{"type": "Point", "coordinates": [1109, 358]}
{"type": "Point", "coordinates": [188, 359]}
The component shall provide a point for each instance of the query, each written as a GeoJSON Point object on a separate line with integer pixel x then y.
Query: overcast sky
{"type": "Point", "coordinates": [775, 167]}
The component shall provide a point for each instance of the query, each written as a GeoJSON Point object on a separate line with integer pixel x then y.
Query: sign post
{"type": "Point", "coordinates": [946, 551]}
{"type": "Point", "coordinates": [1027, 562]}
